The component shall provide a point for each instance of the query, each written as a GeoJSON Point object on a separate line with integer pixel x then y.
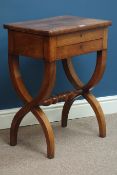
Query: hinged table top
{"type": "Point", "coordinates": [57, 25]}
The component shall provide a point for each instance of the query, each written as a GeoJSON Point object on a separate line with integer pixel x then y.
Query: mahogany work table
{"type": "Point", "coordinates": [57, 38]}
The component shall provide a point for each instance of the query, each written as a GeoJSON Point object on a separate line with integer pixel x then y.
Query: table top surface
{"type": "Point", "coordinates": [57, 25]}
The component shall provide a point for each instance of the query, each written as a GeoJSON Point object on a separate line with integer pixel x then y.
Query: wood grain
{"type": "Point", "coordinates": [19, 42]}
{"type": "Point", "coordinates": [98, 111]}
{"type": "Point", "coordinates": [61, 97]}
{"type": "Point", "coordinates": [32, 103]}
{"type": "Point", "coordinates": [79, 37]}
{"type": "Point", "coordinates": [57, 25]}
{"type": "Point", "coordinates": [52, 39]}
{"type": "Point", "coordinates": [78, 49]}
{"type": "Point", "coordinates": [77, 83]}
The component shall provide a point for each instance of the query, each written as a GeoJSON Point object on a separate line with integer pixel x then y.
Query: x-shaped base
{"type": "Point", "coordinates": [45, 92]}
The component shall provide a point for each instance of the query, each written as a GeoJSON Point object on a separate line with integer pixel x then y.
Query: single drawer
{"type": "Point", "coordinates": [78, 49]}
{"type": "Point", "coordinates": [78, 37]}
{"type": "Point", "coordinates": [25, 44]}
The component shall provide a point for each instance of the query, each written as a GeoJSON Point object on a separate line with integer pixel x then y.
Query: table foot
{"type": "Point", "coordinates": [50, 156]}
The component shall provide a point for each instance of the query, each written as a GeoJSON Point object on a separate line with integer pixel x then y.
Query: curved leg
{"type": "Point", "coordinates": [96, 77]}
{"type": "Point", "coordinates": [65, 111]}
{"type": "Point", "coordinates": [15, 125]}
{"type": "Point", "coordinates": [77, 83]}
{"type": "Point", "coordinates": [98, 111]}
{"type": "Point", "coordinates": [47, 84]}
{"type": "Point", "coordinates": [31, 104]}
{"type": "Point", "coordinates": [66, 108]}
{"type": "Point", "coordinates": [41, 117]}
{"type": "Point", "coordinates": [43, 120]}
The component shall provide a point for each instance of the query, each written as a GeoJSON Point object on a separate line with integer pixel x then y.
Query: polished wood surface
{"type": "Point", "coordinates": [57, 47]}
{"type": "Point", "coordinates": [79, 37]}
{"type": "Point", "coordinates": [31, 104]}
{"type": "Point", "coordinates": [19, 41]}
{"type": "Point", "coordinates": [61, 97]}
{"type": "Point", "coordinates": [78, 49]}
{"type": "Point", "coordinates": [52, 39]}
{"type": "Point", "coordinates": [57, 25]}
{"type": "Point", "coordinates": [77, 83]}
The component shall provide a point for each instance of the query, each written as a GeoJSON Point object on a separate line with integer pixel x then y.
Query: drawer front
{"type": "Point", "coordinates": [78, 49]}
{"type": "Point", "coordinates": [25, 44]}
{"type": "Point", "coordinates": [79, 37]}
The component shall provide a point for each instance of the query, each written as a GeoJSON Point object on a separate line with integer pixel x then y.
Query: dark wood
{"type": "Point", "coordinates": [50, 40]}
